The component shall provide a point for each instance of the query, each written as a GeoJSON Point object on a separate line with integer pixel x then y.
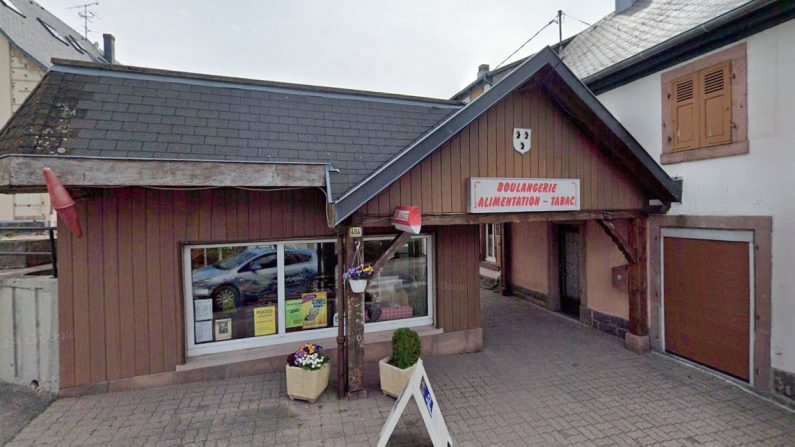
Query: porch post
{"type": "Point", "coordinates": [505, 260]}
{"type": "Point", "coordinates": [637, 338]}
{"type": "Point", "coordinates": [354, 324]}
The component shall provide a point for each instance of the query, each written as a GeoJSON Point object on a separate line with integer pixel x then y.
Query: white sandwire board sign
{"type": "Point", "coordinates": [419, 387]}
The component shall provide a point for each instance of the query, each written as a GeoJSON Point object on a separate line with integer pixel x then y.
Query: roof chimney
{"type": "Point", "coordinates": [623, 4]}
{"type": "Point", "coordinates": [482, 70]}
{"type": "Point", "coordinates": [109, 48]}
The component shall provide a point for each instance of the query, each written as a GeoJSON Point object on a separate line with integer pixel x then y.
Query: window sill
{"type": "Point", "coordinates": [705, 153]}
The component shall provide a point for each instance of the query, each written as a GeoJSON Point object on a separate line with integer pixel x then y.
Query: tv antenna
{"type": "Point", "coordinates": [87, 15]}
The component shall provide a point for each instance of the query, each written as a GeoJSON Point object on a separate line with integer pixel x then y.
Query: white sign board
{"type": "Point", "coordinates": [518, 195]}
{"type": "Point", "coordinates": [419, 387]}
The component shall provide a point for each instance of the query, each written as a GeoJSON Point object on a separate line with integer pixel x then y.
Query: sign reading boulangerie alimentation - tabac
{"type": "Point", "coordinates": [516, 195]}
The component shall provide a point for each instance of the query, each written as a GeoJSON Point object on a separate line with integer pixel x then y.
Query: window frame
{"type": "Point", "coordinates": [738, 77]}
{"type": "Point", "coordinates": [281, 336]}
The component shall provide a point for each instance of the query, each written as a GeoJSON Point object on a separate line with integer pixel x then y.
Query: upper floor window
{"type": "Point", "coordinates": [704, 113]}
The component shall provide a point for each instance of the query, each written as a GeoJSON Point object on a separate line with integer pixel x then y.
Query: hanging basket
{"type": "Point", "coordinates": [358, 285]}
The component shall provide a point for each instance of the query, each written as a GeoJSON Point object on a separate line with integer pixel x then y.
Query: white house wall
{"type": "Point", "coordinates": [758, 183]}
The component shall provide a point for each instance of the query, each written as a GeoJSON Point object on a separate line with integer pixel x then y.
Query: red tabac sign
{"type": "Point", "coordinates": [408, 219]}
{"type": "Point", "coordinates": [516, 195]}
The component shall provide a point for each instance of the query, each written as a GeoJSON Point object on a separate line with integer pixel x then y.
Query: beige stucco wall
{"type": "Point", "coordinates": [530, 255]}
{"type": "Point", "coordinates": [18, 77]}
{"type": "Point", "coordinates": [601, 256]}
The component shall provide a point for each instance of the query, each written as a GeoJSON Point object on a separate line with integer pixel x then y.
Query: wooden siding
{"type": "Point", "coordinates": [120, 286]}
{"type": "Point", "coordinates": [438, 185]}
{"type": "Point", "coordinates": [457, 251]}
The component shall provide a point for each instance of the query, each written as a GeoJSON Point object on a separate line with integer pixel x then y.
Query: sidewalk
{"type": "Point", "coordinates": [541, 380]}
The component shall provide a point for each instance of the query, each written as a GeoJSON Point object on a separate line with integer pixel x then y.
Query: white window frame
{"type": "Point", "coordinates": [491, 242]}
{"type": "Point", "coordinates": [281, 336]}
{"type": "Point", "coordinates": [713, 235]}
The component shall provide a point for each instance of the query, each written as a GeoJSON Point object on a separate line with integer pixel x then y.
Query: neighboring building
{"type": "Point", "coordinates": [219, 213]}
{"type": "Point", "coordinates": [29, 38]}
{"type": "Point", "coordinates": [704, 87]}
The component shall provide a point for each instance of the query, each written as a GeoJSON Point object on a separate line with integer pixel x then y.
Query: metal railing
{"type": "Point", "coordinates": [34, 229]}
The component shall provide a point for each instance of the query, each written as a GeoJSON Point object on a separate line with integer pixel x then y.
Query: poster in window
{"type": "Point", "coordinates": [314, 309]}
{"type": "Point", "coordinates": [223, 329]}
{"type": "Point", "coordinates": [264, 320]}
{"type": "Point", "coordinates": [204, 331]}
{"type": "Point", "coordinates": [203, 310]}
{"type": "Point", "coordinates": [293, 314]}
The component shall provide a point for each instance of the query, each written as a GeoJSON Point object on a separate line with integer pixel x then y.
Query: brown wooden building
{"type": "Point", "coordinates": [217, 214]}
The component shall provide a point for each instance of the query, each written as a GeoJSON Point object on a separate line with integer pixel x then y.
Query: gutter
{"type": "Point", "coordinates": [732, 26]}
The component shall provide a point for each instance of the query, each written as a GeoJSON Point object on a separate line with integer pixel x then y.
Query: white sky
{"type": "Point", "coordinates": [417, 47]}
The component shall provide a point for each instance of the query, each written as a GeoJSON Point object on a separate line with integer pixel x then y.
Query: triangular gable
{"type": "Point", "coordinates": [547, 69]}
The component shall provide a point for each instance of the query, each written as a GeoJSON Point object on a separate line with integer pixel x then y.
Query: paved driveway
{"type": "Point", "coordinates": [541, 380]}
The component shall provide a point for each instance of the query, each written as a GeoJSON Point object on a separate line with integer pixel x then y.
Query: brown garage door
{"type": "Point", "coordinates": [707, 306]}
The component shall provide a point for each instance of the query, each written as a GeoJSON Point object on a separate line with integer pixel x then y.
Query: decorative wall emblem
{"type": "Point", "coordinates": [521, 140]}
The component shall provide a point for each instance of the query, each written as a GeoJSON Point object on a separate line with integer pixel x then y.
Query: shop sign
{"type": "Point", "coordinates": [408, 219]}
{"type": "Point", "coordinates": [419, 387]}
{"type": "Point", "coordinates": [519, 195]}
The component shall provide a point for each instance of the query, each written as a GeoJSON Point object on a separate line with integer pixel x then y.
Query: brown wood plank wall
{"type": "Point", "coordinates": [457, 288]}
{"type": "Point", "coordinates": [485, 149]}
{"type": "Point", "coordinates": [120, 286]}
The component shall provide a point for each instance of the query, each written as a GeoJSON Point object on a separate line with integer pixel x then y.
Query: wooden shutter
{"type": "Point", "coordinates": [716, 104]}
{"type": "Point", "coordinates": [684, 110]}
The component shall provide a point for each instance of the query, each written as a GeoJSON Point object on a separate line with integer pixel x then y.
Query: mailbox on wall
{"type": "Point", "coordinates": [620, 277]}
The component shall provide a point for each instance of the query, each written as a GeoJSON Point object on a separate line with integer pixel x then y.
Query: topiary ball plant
{"type": "Point", "coordinates": [406, 348]}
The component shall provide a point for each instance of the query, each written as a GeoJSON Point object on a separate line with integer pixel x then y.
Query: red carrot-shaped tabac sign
{"type": "Point", "coordinates": [62, 202]}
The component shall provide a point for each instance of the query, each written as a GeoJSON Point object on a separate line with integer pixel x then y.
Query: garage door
{"type": "Point", "coordinates": [707, 311]}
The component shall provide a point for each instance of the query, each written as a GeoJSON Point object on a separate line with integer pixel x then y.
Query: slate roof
{"type": "Point", "coordinates": [643, 25]}
{"type": "Point", "coordinates": [115, 111]}
{"type": "Point", "coordinates": [25, 31]}
{"type": "Point", "coordinates": [620, 36]}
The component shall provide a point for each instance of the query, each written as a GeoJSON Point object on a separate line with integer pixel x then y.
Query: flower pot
{"type": "Point", "coordinates": [393, 379]}
{"type": "Point", "coordinates": [307, 385]}
{"type": "Point", "coordinates": [358, 285]}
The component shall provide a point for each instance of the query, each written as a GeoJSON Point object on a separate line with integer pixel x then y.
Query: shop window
{"type": "Point", "coordinates": [491, 245]}
{"type": "Point", "coordinates": [240, 294]}
{"type": "Point", "coordinates": [401, 290]}
{"type": "Point", "coordinates": [254, 294]}
{"type": "Point", "coordinates": [704, 113]}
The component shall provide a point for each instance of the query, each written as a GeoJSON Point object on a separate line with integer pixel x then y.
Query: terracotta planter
{"type": "Point", "coordinates": [393, 379]}
{"type": "Point", "coordinates": [358, 285]}
{"type": "Point", "coordinates": [306, 385]}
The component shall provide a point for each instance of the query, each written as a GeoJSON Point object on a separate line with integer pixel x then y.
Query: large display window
{"type": "Point", "coordinates": [253, 294]}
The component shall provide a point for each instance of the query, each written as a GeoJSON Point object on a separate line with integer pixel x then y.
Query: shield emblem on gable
{"type": "Point", "coordinates": [521, 140]}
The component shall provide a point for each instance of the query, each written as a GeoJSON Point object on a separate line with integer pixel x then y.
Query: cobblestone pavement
{"type": "Point", "coordinates": [540, 380]}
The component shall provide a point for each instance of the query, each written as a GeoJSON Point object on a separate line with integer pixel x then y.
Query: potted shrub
{"type": "Point", "coordinates": [307, 373]}
{"type": "Point", "coordinates": [357, 277]}
{"type": "Point", "coordinates": [396, 369]}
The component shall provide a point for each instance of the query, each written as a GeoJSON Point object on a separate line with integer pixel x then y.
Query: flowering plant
{"type": "Point", "coordinates": [308, 357]}
{"type": "Point", "coordinates": [359, 272]}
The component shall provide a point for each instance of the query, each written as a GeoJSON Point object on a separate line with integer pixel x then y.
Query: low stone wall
{"type": "Point", "coordinates": [606, 323]}
{"type": "Point", "coordinates": [29, 331]}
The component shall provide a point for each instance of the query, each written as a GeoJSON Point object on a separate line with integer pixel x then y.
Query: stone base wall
{"type": "Point", "coordinates": [784, 385]}
{"type": "Point", "coordinates": [606, 323]}
{"type": "Point", "coordinates": [533, 296]}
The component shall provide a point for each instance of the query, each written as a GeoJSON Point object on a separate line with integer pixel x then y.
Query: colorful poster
{"type": "Point", "coordinates": [223, 329]}
{"type": "Point", "coordinates": [204, 331]}
{"type": "Point", "coordinates": [313, 307]}
{"type": "Point", "coordinates": [294, 314]}
{"type": "Point", "coordinates": [264, 320]}
{"type": "Point", "coordinates": [203, 310]}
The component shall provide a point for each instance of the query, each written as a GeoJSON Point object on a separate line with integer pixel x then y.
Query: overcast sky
{"type": "Point", "coordinates": [416, 47]}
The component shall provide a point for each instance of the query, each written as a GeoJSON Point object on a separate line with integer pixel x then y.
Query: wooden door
{"type": "Point", "coordinates": [569, 265]}
{"type": "Point", "coordinates": [707, 302]}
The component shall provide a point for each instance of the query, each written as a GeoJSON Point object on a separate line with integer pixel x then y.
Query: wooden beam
{"type": "Point", "coordinates": [638, 290]}
{"type": "Point", "coordinates": [379, 220]}
{"type": "Point", "coordinates": [506, 272]}
{"type": "Point", "coordinates": [618, 239]}
{"type": "Point", "coordinates": [397, 244]}
{"type": "Point", "coordinates": [18, 172]}
{"type": "Point", "coordinates": [354, 314]}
